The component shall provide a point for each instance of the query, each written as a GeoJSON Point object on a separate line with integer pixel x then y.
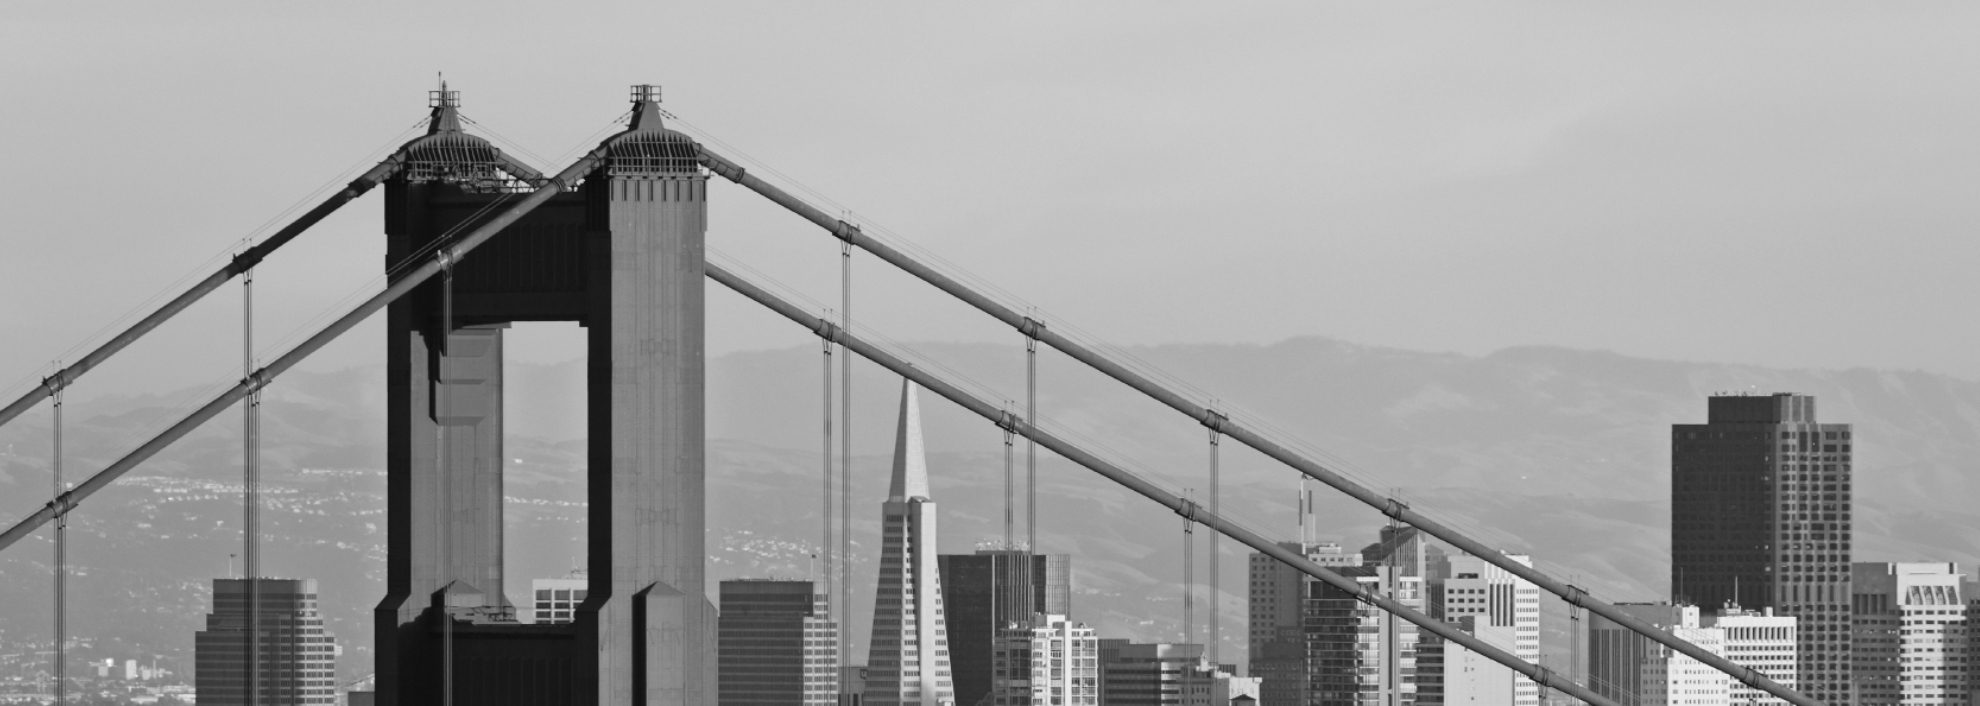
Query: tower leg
{"type": "Point", "coordinates": [444, 479]}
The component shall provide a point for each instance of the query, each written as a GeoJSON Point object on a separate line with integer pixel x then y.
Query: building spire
{"type": "Point", "coordinates": [910, 458]}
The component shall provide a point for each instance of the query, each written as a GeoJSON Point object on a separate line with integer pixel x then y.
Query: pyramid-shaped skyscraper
{"type": "Point", "coordinates": [909, 661]}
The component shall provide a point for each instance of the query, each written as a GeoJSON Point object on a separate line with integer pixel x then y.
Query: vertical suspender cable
{"type": "Point", "coordinates": [1576, 634]}
{"type": "Point", "coordinates": [1391, 642]}
{"type": "Point", "coordinates": [846, 645]}
{"type": "Point", "coordinates": [1189, 593]}
{"type": "Point", "coordinates": [1216, 545]}
{"type": "Point", "coordinates": [251, 495]}
{"type": "Point", "coordinates": [61, 570]}
{"type": "Point", "coordinates": [1182, 506]}
{"type": "Point", "coordinates": [1010, 493]}
{"type": "Point", "coordinates": [1030, 445]}
{"type": "Point", "coordinates": [832, 612]}
{"type": "Point", "coordinates": [1013, 606]}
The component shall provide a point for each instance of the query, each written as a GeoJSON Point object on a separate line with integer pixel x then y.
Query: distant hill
{"type": "Point", "coordinates": [1561, 453]}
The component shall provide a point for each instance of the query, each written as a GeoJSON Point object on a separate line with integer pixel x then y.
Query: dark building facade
{"type": "Point", "coordinates": [1760, 517]}
{"type": "Point", "coordinates": [620, 252]}
{"type": "Point", "coordinates": [775, 645]}
{"type": "Point", "coordinates": [989, 589]}
{"type": "Point", "coordinates": [297, 664]}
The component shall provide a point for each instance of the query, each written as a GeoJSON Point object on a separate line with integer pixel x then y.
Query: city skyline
{"type": "Point", "coordinates": [1617, 156]}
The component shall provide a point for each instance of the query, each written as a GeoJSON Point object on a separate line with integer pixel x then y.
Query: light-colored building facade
{"type": "Point", "coordinates": [1494, 597]}
{"type": "Point", "coordinates": [1469, 678]}
{"type": "Point", "coordinates": [1671, 678]}
{"type": "Point", "coordinates": [1912, 639]}
{"type": "Point", "coordinates": [1212, 685]}
{"type": "Point", "coordinates": [556, 600]}
{"type": "Point", "coordinates": [908, 660]}
{"type": "Point", "coordinates": [1048, 659]}
{"type": "Point", "coordinates": [1633, 671]}
{"type": "Point", "coordinates": [1764, 642]}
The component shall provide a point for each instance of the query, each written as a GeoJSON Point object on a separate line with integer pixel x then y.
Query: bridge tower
{"type": "Point", "coordinates": [621, 255]}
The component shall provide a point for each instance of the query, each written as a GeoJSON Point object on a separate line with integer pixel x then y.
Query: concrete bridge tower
{"type": "Point", "coordinates": [621, 255]}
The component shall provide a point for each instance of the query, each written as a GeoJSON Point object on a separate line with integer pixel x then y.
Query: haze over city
{"type": "Point", "coordinates": [1480, 257]}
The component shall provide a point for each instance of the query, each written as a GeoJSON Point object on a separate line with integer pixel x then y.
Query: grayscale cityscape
{"type": "Point", "coordinates": [1280, 354]}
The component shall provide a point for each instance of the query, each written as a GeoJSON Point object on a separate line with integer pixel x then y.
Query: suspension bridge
{"type": "Point", "coordinates": [477, 240]}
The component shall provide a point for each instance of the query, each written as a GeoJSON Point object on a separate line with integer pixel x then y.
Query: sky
{"type": "Point", "coordinates": [1782, 184]}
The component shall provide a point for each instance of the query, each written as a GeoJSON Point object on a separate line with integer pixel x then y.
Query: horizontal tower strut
{"type": "Point", "coordinates": [1392, 507]}
{"type": "Point", "coordinates": [435, 261]}
{"type": "Point", "coordinates": [1190, 510]}
{"type": "Point", "coordinates": [242, 262]}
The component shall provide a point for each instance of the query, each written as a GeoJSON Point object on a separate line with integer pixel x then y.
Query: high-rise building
{"type": "Point", "coordinates": [556, 600]}
{"type": "Point", "coordinates": [1277, 596]}
{"type": "Point", "coordinates": [1762, 641]}
{"type": "Point", "coordinates": [776, 645]}
{"type": "Point", "coordinates": [1760, 517]}
{"type": "Point", "coordinates": [908, 660]}
{"type": "Point", "coordinates": [1912, 638]}
{"type": "Point", "coordinates": [1475, 588]}
{"type": "Point", "coordinates": [1046, 659]}
{"type": "Point", "coordinates": [1347, 653]}
{"type": "Point", "coordinates": [992, 588]}
{"type": "Point", "coordinates": [298, 661]}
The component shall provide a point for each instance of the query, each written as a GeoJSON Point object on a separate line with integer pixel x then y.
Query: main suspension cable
{"type": "Point", "coordinates": [1167, 395]}
{"type": "Point", "coordinates": [1135, 482]}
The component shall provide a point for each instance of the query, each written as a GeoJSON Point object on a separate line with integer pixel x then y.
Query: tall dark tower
{"type": "Point", "coordinates": [983, 592]}
{"type": "Point", "coordinates": [1760, 516]}
{"type": "Point", "coordinates": [621, 256]}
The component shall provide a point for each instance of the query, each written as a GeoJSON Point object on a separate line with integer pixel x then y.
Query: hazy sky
{"type": "Point", "coordinates": [1785, 184]}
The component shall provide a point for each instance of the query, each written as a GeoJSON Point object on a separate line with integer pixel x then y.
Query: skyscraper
{"type": "Point", "coordinates": [298, 663]}
{"type": "Point", "coordinates": [1912, 638]}
{"type": "Point", "coordinates": [985, 591]}
{"type": "Point", "coordinates": [1760, 517]}
{"type": "Point", "coordinates": [1339, 650]}
{"type": "Point", "coordinates": [775, 645]}
{"type": "Point", "coordinates": [1277, 596]}
{"type": "Point", "coordinates": [1495, 597]}
{"type": "Point", "coordinates": [908, 660]}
